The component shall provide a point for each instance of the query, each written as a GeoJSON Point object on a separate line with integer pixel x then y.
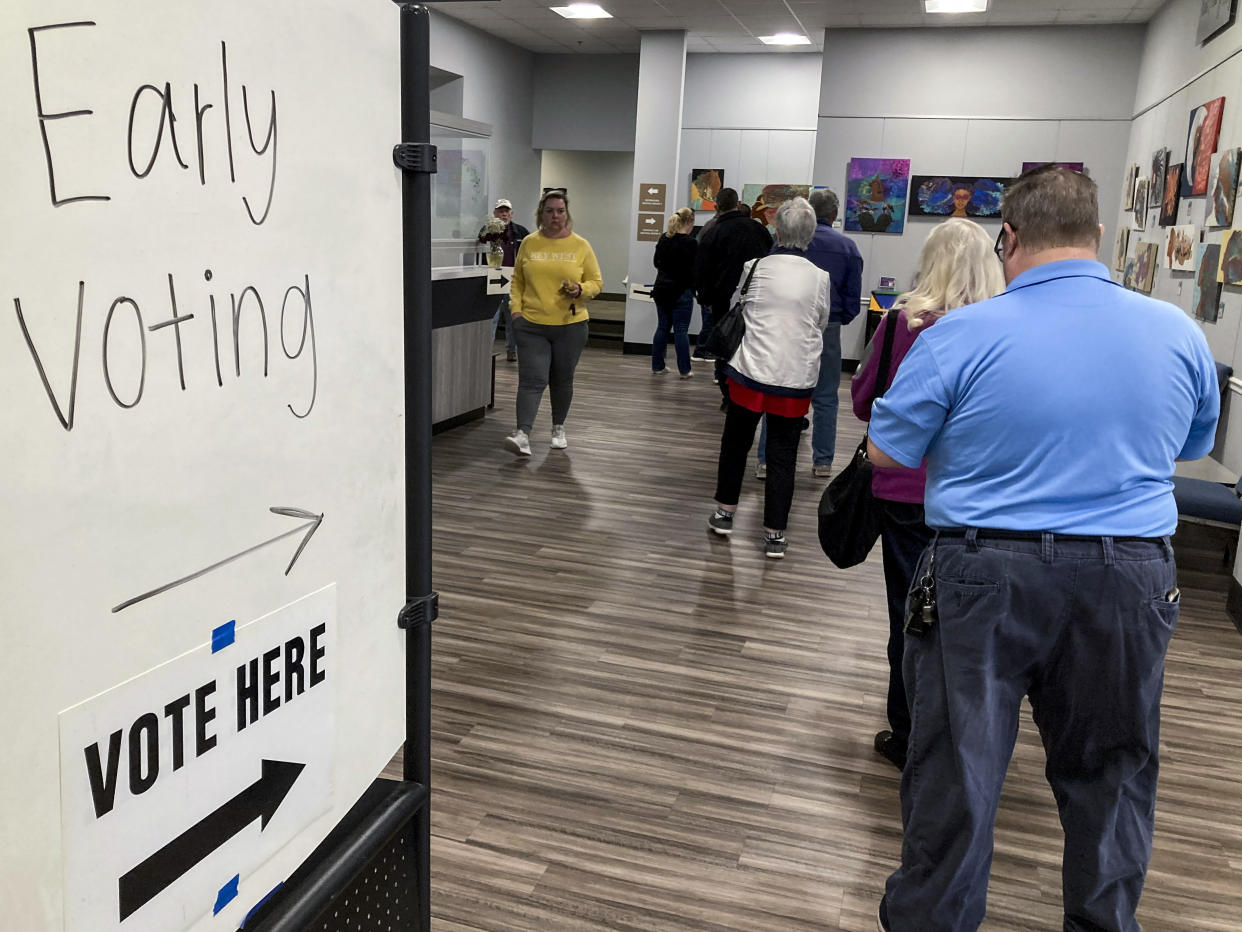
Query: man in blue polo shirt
{"type": "Point", "coordinates": [1050, 418]}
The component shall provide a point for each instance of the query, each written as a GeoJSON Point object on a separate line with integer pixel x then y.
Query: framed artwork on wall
{"type": "Point", "coordinates": [1127, 277]}
{"type": "Point", "coordinates": [1159, 168]}
{"type": "Point", "coordinates": [1201, 141]}
{"type": "Point", "coordinates": [1145, 259]}
{"type": "Point", "coordinates": [1172, 194]}
{"type": "Point", "coordinates": [1140, 204]}
{"type": "Point", "coordinates": [1179, 248]}
{"type": "Point", "coordinates": [1214, 16]}
{"type": "Point", "coordinates": [875, 195]}
{"type": "Point", "coordinates": [1127, 192]}
{"type": "Point", "coordinates": [1222, 188]}
{"type": "Point", "coordinates": [1230, 271]}
{"type": "Point", "coordinates": [705, 184]}
{"type": "Point", "coordinates": [945, 196]}
{"type": "Point", "coordinates": [1123, 247]}
{"type": "Point", "coordinates": [764, 199]}
{"type": "Point", "coordinates": [1207, 288]}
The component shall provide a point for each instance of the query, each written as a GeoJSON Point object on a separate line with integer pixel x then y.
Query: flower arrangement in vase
{"type": "Point", "coordinates": [493, 230]}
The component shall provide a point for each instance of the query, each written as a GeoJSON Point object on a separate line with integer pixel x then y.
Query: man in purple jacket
{"type": "Point", "coordinates": [837, 255]}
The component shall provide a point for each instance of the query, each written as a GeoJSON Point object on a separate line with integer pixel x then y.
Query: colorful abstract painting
{"type": "Point", "coordinates": [1179, 248]}
{"type": "Point", "coordinates": [876, 193]}
{"type": "Point", "coordinates": [1207, 288]}
{"type": "Point", "coordinates": [1127, 277]}
{"type": "Point", "coordinates": [1140, 204]}
{"type": "Point", "coordinates": [1172, 194]}
{"type": "Point", "coordinates": [1230, 271]}
{"type": "Point", "coordinates": [945, 196]}
{"type": "Point", "coordinates": [705, 184]}
{"type": "Point", "coordinates": [1072, 166]}
{"type": "Point", "coordinates": [1123, 247]}
{"type": "Point", "coordinates": [764, 199]}
{"type": "Point", "coordinates": [1159, 168]}
{"type": "Point", "coordinates": [1146, 257]}
{"type": "Point", "coordinates": [1223, 188]}
{"type": "Point", "coordinates": [1200, 144]}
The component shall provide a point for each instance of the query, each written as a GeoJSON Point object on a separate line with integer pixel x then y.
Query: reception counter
{"type": "Point", "coordinates": [461, 344]}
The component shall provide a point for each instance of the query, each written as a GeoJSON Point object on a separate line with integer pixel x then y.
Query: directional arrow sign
{"type": "Point", "coordinates": [498, 281]}
{"type": "Point", "coordinates": [260, 800]}
{"type": "Point", "coordinates": [311, 525]}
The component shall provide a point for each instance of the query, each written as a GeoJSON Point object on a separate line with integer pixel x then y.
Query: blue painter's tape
{"type": "Point", "coordinates": [227, 894]}
{"type": "Point", "coordinates": [224, 635]}
{"type": "Point", "coordinates": [259, 905]}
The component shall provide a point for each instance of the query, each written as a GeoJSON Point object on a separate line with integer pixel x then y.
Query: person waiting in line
{"type": "Point", "coordinates": [774, 371]}
{"type": "Point", "coordinates": [837, 255]}
{"type": "Point", "coordinates": [673, 292]}
{"type": "Point", "coordinates": [723, 249]}
{"type": "Point", "coordinates": [956, 268]}
{"type": "Point", "coordinates": [1051, 575]}
{"type": "Point", "coordinates": [705, 312]}
{"type": "Point", "coordinates": [555, 274]}
{"type": "Point", "coordinates": [508, 239]}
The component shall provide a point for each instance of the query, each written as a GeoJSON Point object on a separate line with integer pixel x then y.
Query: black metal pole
{"type": "Point", "coordinates": [416, 220]}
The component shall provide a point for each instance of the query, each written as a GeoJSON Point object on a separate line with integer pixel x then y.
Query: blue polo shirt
{"type": "Point", "coordinates": [1059, 405]}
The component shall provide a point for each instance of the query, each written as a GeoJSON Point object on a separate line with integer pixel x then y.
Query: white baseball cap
{"type": "Point", "coordinates": [503, 202]}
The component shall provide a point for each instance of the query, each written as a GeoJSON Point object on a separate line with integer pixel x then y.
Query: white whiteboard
{"type": "Point", "coordinates": [174, 461]}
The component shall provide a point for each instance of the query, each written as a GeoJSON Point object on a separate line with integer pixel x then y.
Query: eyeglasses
{"type": "Point", "coordinates": [999, 248]}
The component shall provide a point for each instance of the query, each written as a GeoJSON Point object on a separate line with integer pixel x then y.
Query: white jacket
{"type": "Point", "coordinates": [786, 312]}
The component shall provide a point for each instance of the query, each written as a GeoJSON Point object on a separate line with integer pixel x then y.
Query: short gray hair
{"type": "Point", "coordinates": [1050, 207]}
{"type": "Point", "coordinates": [795, 223]}
{"type": "Point", "coordinates": [825, 204]}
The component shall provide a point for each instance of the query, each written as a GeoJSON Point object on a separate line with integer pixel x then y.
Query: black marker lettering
{"type": "Point", "coordinates": [142, 336]}
{"type": "Point", "coordinates": [103, 788]}
{"type": "Point", "coordinates": [308, 328]}
{"type": "Point", "coordinates": [269, 141]}
{"type": "Point", "coordinates": [166, 116]}
{"type": "Point", "coordinates": [66, 421]}
{"type": "Point", "coordinates": [198, 129]}
{"type": "Point", "coordinates": [228, 122]}
{"type": "Point", "coordinates": [175, 322]}
{"type": "Point", "coordinates": [237, 306]}
{"type": "Point", "coordinates": [44, 117]}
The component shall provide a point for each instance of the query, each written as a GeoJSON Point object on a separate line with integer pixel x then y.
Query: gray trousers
{"type": "Point", "coordinates": [547, 357]}
{"type": "Point", "coordinates": [1081, 626]}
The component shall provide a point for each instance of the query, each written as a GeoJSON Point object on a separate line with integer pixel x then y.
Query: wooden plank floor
{"type": "Point", "coordinates": [638, 726]}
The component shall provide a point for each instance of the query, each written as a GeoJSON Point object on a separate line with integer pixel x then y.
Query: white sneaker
{"type": "Point", "coordinates": [558, 437]}
{"type": "Point", "coordinates": [761, 470]}
{"type": "Point", "coordinates": [517, 442]}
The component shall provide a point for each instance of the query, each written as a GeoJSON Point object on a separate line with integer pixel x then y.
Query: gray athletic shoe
{"type": "Point", "coordinates": [517, 442]}
{"type": "Point", "coordinates": [721, 522]}
{"type": "Point", "coordinates": [774, 547]}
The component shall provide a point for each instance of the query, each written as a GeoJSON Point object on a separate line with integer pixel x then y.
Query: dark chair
{"type": "Point", "coordinates": [1215, 504]}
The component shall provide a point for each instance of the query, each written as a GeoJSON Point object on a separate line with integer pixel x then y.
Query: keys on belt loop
{"type": "Point", "coordinates": [921, 602]}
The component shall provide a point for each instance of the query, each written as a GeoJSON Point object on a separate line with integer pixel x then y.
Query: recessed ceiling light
{"type": "Point", "coordinates": [785, 38]}
{"type": "Point", "coordinates": [582, 11]}
{"type": "Point", "coordinates": [955, 6]}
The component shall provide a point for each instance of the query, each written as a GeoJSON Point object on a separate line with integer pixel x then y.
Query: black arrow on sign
{"type": "Point", "coordinates": [497, 281]}
{"type": "Point", "coordinates": [259, 800]}
{"type": "Point", "coordinates": [312, 525]}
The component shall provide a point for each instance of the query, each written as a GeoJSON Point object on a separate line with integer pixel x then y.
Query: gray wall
{"type": "Point", "coordinates": [598, 183]}
{"type": "Point", "coordinates": [586, 102]}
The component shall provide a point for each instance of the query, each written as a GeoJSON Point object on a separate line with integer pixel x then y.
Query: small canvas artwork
{"type": "Point", "coordinates": [764, 199]}
{"type": "Point", "coordinates": [1127, 277]}
{"type": "Point", "coordinates": [1145, 259]}
{"type": "Point", "coordinates": [1172, 194]}
{"type": "Point", "coordinates": [943, 196]}
{"type": "Point", "coordinates": [876, 192]}
{"type": "Point", "coordinates": [705, 184]}
{"type": "Point", "coordinates": [1159, 168]}
{"type": "Point", "coordinates": [1123, 247]}
{"type": "Point", "coordinates": [1200, 144]}
{"type": "Point", "coordinates": [1223, 188]}
{"type": "Point", "coordinates": [1140, 204]}
{"type": "Point", "coordinates": [1127, 192]}
{"type": "Point", "coordinates": [1214, 15]}
{"type": "Point", "coordinates": [1230, 271]}
{"type": "Point", "coordinates": [1207, 288]}
{"type": "Point", "coordinates": [1179, 248]}
{"type": "Point", "coordinates": [1072, 166]}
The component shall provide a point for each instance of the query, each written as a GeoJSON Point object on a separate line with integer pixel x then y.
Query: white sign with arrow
{"type": "Point", "coordinates": [499, 280]}
{"type": "Point", "coordinates": [178, 783]}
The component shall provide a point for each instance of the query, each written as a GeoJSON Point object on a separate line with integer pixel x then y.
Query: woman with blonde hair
{"type": "Point", "coordinates": [673, 292]}
{"type": "Point", "coordinates": [956, 267]}
{"type": "Point", "coordinates": [554, 275]}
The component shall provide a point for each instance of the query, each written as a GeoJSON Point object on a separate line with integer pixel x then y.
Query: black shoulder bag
{"type": "Point", "coordinates": [727, 333]}
{"type": "Point", "coordinates": [849, 521]}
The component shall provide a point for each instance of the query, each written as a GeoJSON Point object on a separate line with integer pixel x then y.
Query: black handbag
{"type": "Point", "coordinates": [849, 519]}
{"type": "Point", "coordinates": [726, 334]}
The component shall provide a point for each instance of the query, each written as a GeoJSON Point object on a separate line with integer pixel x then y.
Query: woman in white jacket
{"type": "Point", "coordinates": [774, 371]}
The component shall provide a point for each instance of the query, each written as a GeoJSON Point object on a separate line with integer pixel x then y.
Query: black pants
{"type": "Point", "coordinates": [718, 366]}
{"type": "Point", "coordinates": [735, 443]}
{"type": "Point", "coordinates": [903, 537]}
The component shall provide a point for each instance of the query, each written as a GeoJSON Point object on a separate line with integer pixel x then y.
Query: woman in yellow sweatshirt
{"type": "Point", "coordinates": [554, 275]}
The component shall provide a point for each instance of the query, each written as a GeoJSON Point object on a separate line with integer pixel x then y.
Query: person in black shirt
{"type": "Point", "coordinates": [673, 292]}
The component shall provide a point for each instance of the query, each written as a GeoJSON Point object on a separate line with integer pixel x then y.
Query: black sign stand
{"type": "Point", "coordinates": [391, 824]}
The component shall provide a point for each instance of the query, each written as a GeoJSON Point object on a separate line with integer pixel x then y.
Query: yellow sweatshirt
{"type": "Point", "coordinates": [541, 266]}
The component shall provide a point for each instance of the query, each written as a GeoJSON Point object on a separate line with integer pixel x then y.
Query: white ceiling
{"type": "Point", "coordinates": [734, 25]}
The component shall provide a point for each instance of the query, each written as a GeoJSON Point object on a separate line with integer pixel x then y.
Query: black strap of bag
{"type": "Point", "coordinates": [746, 284]}
{"type": "Point", "coordinates": [886, 354]}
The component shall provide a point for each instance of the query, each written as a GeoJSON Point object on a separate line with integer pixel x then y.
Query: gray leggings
{"type": "Point", "coordinates": [547, 357]}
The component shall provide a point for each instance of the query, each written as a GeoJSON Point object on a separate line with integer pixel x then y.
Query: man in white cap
{"type": "Point", "coordinates": [508, 239]}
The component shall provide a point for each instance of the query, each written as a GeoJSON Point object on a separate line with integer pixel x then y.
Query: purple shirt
{"type": "Point", "coordinates": [893, 484]}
